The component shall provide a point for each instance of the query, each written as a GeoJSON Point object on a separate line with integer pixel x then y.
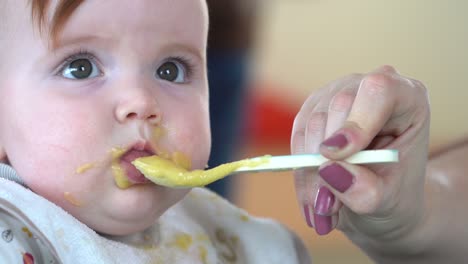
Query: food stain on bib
{"type": "Point", "coordinates": [203, 254]}
{"type": "Point", "coordinates": [27, 232]}
{"type": "Point", "coordinates": [183, 241]}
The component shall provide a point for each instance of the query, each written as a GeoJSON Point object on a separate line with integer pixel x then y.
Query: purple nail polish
{"type": "Point", "coordinates": [324, 201]}
{"type": "Point", "coordinates": [337, 177]}
{"type": "Point", "coordinates": [323, 224]}
{"type": "Point", "coordinates": [336, 142]}
{"type": "Point", "coordinates": [307, 215]}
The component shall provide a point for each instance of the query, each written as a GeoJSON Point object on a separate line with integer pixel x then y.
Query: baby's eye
{"type": "Point", "coordinates": [79, 69]}
{"type": "Point", "coordinates": [172, 71]}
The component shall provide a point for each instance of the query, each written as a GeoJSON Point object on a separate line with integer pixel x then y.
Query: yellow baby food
{"type": "Point", "coordinates": [171, 173]}
{"type": "Point", "coordinates": [84, 168]}
{"type": "Point", "coordinates": [72, 199]}
{"type": "Point", "coordinates": [120, 177]}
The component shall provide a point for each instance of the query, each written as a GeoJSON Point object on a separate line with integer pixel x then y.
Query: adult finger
{"type": "Point", "coordinates": [385, 104]}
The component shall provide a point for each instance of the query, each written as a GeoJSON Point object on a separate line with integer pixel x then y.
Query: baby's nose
{"type": "Point", "coordinates": [143, 108]}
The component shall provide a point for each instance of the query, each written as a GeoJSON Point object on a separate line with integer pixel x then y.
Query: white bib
{"type": "Point", "coordinates": [202, 228]}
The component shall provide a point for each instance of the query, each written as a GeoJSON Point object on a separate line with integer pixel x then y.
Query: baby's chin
{"type": "Point", "coordinates": [121, 227]}
{"type": "Point", "coordinates": [125, 218]}
{"type": "Point", "coordinates": [115, 228]}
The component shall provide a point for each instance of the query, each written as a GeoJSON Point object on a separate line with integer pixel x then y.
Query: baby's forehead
{"type": "Point", "coordinates": [7, 12]}
{"type": "Point", "coordinates": [48, 17]}
{"type": "Point", "coordinates": [155, 21]}
{"type": "Point", "coordinates": [15, 17]}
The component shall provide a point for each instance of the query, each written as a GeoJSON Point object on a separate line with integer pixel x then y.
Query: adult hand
{"type": "Point", "coordinates": [369, 203]}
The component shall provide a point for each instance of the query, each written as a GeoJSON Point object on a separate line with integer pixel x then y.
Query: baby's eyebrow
{"type": "Point", "coordinates": [69, 41]}
{"type": "Point", "coordinates": [176, 46]}
{"type": "Point", "coordinates": [197, 52]}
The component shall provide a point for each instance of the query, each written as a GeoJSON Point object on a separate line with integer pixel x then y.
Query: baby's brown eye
{"type": "Point", "coordinates": [80, 69]}
{"type": "Point", "coordinates": [171, 71]}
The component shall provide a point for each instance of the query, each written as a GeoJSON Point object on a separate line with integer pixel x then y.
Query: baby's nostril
{"type": "Point", "coordinates": [154, 119]}
{"type": "Point", "coordinates": [131, 115]}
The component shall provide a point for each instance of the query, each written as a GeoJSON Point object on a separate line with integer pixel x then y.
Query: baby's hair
{"type": "Point", "coordinates": [63, 11]}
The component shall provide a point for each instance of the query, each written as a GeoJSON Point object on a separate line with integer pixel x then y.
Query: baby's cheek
{"type": "Point", "coordinates": [198, 147]}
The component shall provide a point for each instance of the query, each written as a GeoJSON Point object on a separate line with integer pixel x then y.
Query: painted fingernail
{"type": "Point", "coordinates": [338, 177]}
{"type": "Point", "coordinates": [336, 142]}
{"type": "Point", "coordinates": [308, 215]}
{"type": "Point", "coordinates": [324, 201]}
{"type": "Point", "coordinates": [323, 224]}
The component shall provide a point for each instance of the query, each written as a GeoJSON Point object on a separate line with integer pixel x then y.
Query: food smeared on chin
{"type": "Point", "coordinates": [171, 173]}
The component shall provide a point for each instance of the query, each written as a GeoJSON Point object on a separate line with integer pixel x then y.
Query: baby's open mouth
{"type": "Point", "coordinates": [125, 173]}
{"type": "Point", "coordinates": [133, 175]}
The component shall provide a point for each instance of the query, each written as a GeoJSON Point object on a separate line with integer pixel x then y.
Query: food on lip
{"type": "Point", "coordinates": [84, 168]}
{"type": "Point", "coordinates": [119, 174]}
{"type": "Point", "coordinates": [72, 199]}
{"type": "Point", "coordinates": [168, 173]}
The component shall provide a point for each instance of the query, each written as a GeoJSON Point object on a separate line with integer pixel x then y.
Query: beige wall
{"type": "Point", "coordinates": [305, 43]}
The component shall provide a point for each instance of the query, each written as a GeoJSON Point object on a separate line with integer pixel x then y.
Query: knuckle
{"type": "Point", "coordinates": [316, 123]}
{"type": "Point", "coordinates": [298, 142]}
{"type": "Point", "coordinates": [342, 101]}
{"type": "Point", "coordinates": [423, 97]}
{"type": "Point", "coordinates": [354, 76]}
{"type": "Point", "coordinates": [388, 68]}
{"type": "Point", "coordinates": [379, 83]}
{"type": "Point", "coordinates": [422, 89]}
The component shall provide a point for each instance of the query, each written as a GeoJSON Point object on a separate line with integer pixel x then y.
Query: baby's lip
{"type": "Point", "coordinates": [138, 150]}
{"type": "Point", "coordinates": [142, 146]}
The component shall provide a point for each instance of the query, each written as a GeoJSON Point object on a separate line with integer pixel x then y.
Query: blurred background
{"type": "Point", "coordinates": [281, 51]}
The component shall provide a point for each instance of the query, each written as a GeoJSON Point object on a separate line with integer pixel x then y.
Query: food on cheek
{"type": "Point", "coordinates": [72, 199]}
{"type": "Point", "coordinates": [181, 160]}
{"type": "Point", "coordinates": [157, 134]}
{"type": "Point", "coordinates": [171, 174]}
{"type": "Point", "coordinates": [84, 168]}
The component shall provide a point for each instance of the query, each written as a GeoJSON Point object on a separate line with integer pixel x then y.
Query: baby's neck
{"type": "Point", "coordinates": [7, 172]}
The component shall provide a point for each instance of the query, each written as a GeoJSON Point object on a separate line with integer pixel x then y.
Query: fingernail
{"type": "Point", "coordinates": [324, 201]}
{"type": "Point", "coordinates": [336, 142]}
{"type": "Point", "coordinates": [307, 215]}
{"type": "Point", "coordinates": [337, 177]}
{"type": "Point", "coordinates": [323, 224]}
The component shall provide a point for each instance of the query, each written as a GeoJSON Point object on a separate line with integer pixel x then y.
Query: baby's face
{"type": "Point", "coordinates": [125, 75]}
